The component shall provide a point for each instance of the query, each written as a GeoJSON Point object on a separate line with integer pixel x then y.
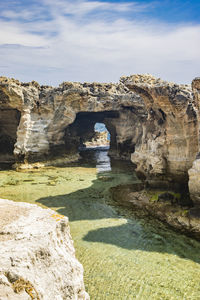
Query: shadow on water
{"type": "Point", "coordinates": [135, 233]}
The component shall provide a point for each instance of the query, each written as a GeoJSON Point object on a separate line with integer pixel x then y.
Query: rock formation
{"type": "Point", "coordinates": [37, 257]}
{"type": "Point", "coordinates": [98, 139]}
{"type": "Point", "coordinates": [169, 207]}
{"type": "Point", "coordinates": [153, 122]}
{"type": "Point", "coordinates": [170, 132]}
{"type": "Point", "coordinates": [53, 120]}
{"type": "Point", "coordinates": [194, 172]}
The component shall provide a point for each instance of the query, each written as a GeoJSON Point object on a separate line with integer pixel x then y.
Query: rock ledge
{"type": "Point", "coordinates": [37, 256]}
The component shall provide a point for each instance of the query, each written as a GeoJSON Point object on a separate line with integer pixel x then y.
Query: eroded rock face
{"type": "Point", "coordinates": [194, 172]}
{"type": "Point", "coordinates": [168, 207]}
{"type": "Point", "coordinates": [169, 143]}
{"type": "Point", "coordinates": [99, 139]}
{"type": "Point", "coordinates": [47, 112]}
{"type": "Point", "coordinates": [37, 256]}
{"type": "Point", "coordinates": [194, 182]}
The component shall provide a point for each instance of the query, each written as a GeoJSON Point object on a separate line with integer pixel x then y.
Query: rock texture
{"type": "Point", "coordinates": [170, 132]}
{"type": "Point", "coordinates": [151, 121]}
{"type": "Point", "coordinates": [47, 112]}
{"type": "Point", "coordinates": [37, 257]}
{"type": "Point", "coordinates": [99, 139]}
{"type": "Point", "coordinates": [194, 172]}
{"type": "Point", "coordinates": [168, 207]}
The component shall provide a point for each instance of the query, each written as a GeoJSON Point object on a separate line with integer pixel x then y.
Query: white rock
{"type": "Point", "coordinates": [37, 256]}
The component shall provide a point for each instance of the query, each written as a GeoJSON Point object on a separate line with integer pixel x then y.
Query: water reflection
{"type": "Point", "coordinates": [102, 160]}
{"type": "Point", "coordinates": [98, 158]}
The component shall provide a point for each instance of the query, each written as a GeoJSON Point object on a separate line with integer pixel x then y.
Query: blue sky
{"type": "Point", "coordinates": [53, 41]}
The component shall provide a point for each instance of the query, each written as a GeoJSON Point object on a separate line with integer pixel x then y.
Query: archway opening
{"type": "Point", "coordinates": [9, 121]}
{"type": "Point", "coordinates": [91, 129]}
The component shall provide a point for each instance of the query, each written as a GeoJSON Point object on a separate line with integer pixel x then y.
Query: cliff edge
{"type": "Point", "coordinates": [37, 256]}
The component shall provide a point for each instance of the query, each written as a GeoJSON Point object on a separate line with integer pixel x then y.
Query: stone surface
{"type": "Point", "coordinates": [194, 182]}
{"type": "Point", "coordinates": [183, 218]}
{"type": "Point", "coordinates": [47, 112]}
{"type": "Point", "coordinates": [99, 139]}
{"type": "Point", "coordinates": [37, 256]}
{"type": "Point", "coordinates": [194, 172]}
{"type": "Point", "coordinates": [170, 138]}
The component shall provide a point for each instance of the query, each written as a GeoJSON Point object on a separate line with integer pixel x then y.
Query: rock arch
{"type": "Point", "coordinates": [82, 129]}
{"type": "Point", "coordinates": [157, 123]}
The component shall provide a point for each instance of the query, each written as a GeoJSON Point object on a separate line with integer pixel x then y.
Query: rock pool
{"type": "Point", "coordinates": [124, 256]}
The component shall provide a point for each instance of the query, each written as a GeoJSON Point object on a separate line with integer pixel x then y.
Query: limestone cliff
{"type": "Point", "coordinates": [170, 139]}
{"type": "Point", "coordinates": [194, 172]}
{"type": "Point", "coordinates": [46, 113]}
{"type": "Point", "coordinates": [37, 256]}
{"type": "Point", "coordinates": [151, 121]}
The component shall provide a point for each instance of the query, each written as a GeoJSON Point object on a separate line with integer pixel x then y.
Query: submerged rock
{"type": "Point", "coordinates": [37, 256]}
{"type": "Point", "coordinates": [165, 197]}
{"type": "Point", "coordinates": [168, 207]}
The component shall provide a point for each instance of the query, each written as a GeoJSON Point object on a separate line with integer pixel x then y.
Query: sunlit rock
{"type": "Point", "coordinates": [37, 256]}
{"type": "Point", "coordinates": [170, 138]}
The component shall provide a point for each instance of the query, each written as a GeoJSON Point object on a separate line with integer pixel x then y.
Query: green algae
{"type": "Point", "coordinates": [155, 194]}
{"type": "Point", "coordinates": [124, 257]}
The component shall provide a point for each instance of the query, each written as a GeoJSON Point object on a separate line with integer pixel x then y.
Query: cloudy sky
{"type": "Point", "coordinates": [52, 41]}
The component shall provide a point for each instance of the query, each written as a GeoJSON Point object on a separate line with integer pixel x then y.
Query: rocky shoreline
{"type": "Point", "coordinates": [151, 122]}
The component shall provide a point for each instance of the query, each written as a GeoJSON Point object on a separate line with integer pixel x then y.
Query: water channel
{"type": "Point", "coordinates": [124, 256]}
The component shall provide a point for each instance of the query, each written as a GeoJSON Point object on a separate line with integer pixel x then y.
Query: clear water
{"type": "Point", "coordinates": [124, 257]}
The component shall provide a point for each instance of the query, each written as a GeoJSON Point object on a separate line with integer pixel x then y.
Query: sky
{"type": "Point", "coordinates": [52, 41]}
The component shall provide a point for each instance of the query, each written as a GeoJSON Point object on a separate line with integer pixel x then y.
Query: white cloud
{"type": "Point", "coordinates": [77, 41]}
{"type": "Point", "coordinates": [80, 7]}
{"type": "Point", "coordinates": [15, 33]}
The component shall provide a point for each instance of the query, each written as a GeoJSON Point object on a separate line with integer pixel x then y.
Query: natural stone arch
{"type": "Point", "coordinates": [158, 120]}
{"type": "Point", "coordinates": [82, 129]}
{"type": "Point", "coordinates": [120, 124]}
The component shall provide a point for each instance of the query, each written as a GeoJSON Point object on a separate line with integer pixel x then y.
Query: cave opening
{"type": "Point", "coordinates": [9, 121]}
{"type": "Point", "coordinates": [91, 129]}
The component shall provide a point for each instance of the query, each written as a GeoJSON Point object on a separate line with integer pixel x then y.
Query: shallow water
{"type": "Point", "coordinates": [124, 257]}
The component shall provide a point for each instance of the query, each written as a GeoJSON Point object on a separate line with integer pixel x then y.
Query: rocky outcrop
{"type": "Point", "coordinates": [37, 256]}
{"type": "Point", "coordinates": [151, 121]}
{"type": "Point", "coordinates": [194, 172]}
{"type": "Point", "coordinates": [98, 140]}
{"type": "Point", "coordinates": [168, 207]}
{"type": "Point", "coordinates": [194, 182]}
{"type": "Point", "coordinates": [47, 112]}
{"type": "Point", "coordinates": [170, 133]}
